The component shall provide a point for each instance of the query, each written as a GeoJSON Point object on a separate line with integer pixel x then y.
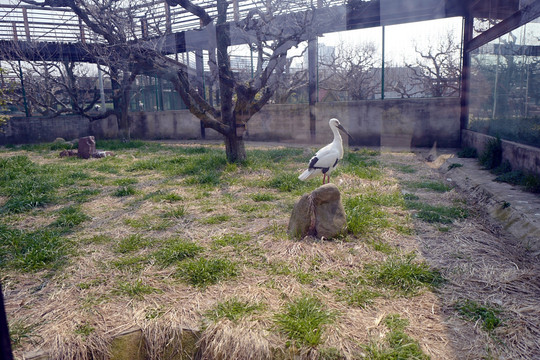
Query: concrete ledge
{"type": "Point", "coordinates": [517, 210]}
{"type": "Point", "coordinates": [523, 157]}
{"type": "Point", "coordinates": [131, 345]}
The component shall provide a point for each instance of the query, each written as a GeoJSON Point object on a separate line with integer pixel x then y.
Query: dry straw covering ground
{"type": "Point", "coordinates": [165, 237]}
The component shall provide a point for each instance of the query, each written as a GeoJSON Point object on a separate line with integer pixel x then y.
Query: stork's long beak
{"type": "Point", "coordinates": [340, 127]}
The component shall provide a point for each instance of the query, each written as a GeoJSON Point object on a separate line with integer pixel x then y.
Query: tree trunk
{"type": "Point", "coordinates": [235, 148]}
{"type": "Point", "coordinates": [124, 125]}
{"type": "Point", "coordinates": [124, 132]}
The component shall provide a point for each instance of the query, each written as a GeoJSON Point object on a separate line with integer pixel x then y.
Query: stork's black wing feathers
{"type": "Point", "coordinates": [313, 162]}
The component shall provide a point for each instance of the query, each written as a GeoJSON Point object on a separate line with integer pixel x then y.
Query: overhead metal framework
{"type": "Point", "coordinates": [57, 33]}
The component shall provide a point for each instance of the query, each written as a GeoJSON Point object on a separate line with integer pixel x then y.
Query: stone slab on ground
{"type": "Point", "coordinates": [319, 213]}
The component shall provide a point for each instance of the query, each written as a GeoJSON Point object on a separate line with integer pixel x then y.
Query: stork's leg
{"type": "Point", "coordinates": [323, 177]}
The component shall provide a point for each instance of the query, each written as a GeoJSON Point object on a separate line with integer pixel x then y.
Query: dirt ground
{"type": "Point", "coordinates": [479, 259]}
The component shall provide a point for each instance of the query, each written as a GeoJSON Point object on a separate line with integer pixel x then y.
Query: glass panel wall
{"type": "Point", "coordinates": [505, 86]}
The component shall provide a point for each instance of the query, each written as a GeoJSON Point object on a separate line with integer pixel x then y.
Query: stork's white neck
{"type": "Point", "coordinates": [338, 142]}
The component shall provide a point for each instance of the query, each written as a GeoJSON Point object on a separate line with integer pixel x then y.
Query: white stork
{"type": "Point", "coordinates": [327, 158]}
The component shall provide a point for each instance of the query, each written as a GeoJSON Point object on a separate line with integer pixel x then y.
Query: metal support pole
{"type": "Point", "coordinates": [465, 74]}
{"type": "Point", "coordinates": [382, 65]}
{"type": "Point", "coordinates": [312, 86]}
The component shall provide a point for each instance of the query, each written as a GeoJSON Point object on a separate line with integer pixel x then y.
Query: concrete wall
{"type": "Point", "coordinates": [520, 156]}
{"type": "Point", "coordinates": [400, 123]}
{"type": "Point", "coordinates": [22, 130]}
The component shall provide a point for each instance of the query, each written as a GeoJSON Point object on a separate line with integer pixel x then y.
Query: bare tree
{"type": "Point", "coordinates": [437, 70]}
{"type": "Point", "coordinates": [53, 88]}
{"type": "Point", "coordinates": [269, 28]}
{"type": "Point", "coordinates": [351, 69]}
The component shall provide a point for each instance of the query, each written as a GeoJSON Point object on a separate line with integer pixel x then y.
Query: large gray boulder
{"type": "Point", "coordinates": [319, 214]}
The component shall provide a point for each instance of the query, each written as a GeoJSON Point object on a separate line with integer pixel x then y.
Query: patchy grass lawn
{"type": "Point", "coordinates": [163, 237]}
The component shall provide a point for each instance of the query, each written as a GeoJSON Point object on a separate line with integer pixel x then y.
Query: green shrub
{"type": "Point", "coordinates": [491, 157]}
{"type": "Point", "coordinates": [467, 152]}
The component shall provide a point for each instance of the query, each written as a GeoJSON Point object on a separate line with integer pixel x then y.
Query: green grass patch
{"type": "Point", "coordinates": [404, 168]}
{"type": "Point", "coordinates": [454, 166]}
{"type": "Point", "coordinates": [125, 181]}
{"type": "Point", "coordinates": [131, 263]}
{"type": "Point", "coordinates": [271, 158]}
{"type": "Point", "coordinates": [28, 185]}
{"type": "Point", "coordinates": [304, 320]}
{"type": "Point", "coordinates": [69, 217]}
{"type": "Point", "coordinates": [204, 272]}
{"type": "Point", "coordinates": [531, 182]}
{"type": "Point", "coordinates": [231, 240]}
{"type": "Point", "coordinates": [366, 212]}
{"type": "Point", "coordinates": [21, 332]}
{"type": "Point", "coordinates": [361, 165]}
{"type": "Point", "coordinates": [135, 290]}
{"type": "Point", "coordinates": [488, 316]}
{"type": "Point", "coordinates": [131, 243]}
{"type": "Point", "coordinates": [126, 190]}
{"type": "Point", "coordinates": [256, 209]}
{"type": "Point", "coordinates": [216, 219]}
{"type": "Point", "coordinates": [403, 274]}
{"type": "Point", "coordinates": [288, 182]}
{"type": "Point", "coordinates": [258, 197]}
{"type": "Point", "coordinates": [32, 251]}
{"type": "Point", "coordinates": [90, 284]}
{"type": "Point", "coordinates": [233, 309]}
{"type": "Point", "coordinates": [82, 195]}
{"type": "Point", "coordinates": [175, 213]}
{"type": "Point", "coordinates": [357, 295]}
{"type": "Point", "coordinates": [175, 250]}
{"type": "Point", "coordinates": [396, 344]}
{"type": "Point", "coordinates": [162, 196]}
{"type": "Point", "coordinates": [149, 223]}
{"type": "Point", "coordinates": [112, 145]}
{"type": "Point", "coordinates": [84, 329]}
{"type": "Point", "coordinates": [429, 185]}
{"type": "Point", "coordinates": [437, 213]}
